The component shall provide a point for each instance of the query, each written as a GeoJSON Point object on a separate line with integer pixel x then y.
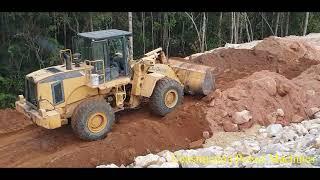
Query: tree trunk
{"type": "Point", "coordinates": [91, 21]}
{"type": "Point", "coordinates": [232, 27]}
{"type": "Point", "coordinates": [247, 28]}
{"type": "Point", "coordinates": [241, 28]}
{"type": "Point", "coordinates": [277, 23]}
{"type": "Point", "coordinates": [306, 21]}
{"type": "Point", "coordinates": [262, 26]}
{"type": "Point", "coordinates": [152, 30]}
{"type": "Point", "coordinates": [281, 25]}
{"type": "Point", "coordinates": [203, 31]}
{"type": "Point", "coordinates": [219, 30]}
{"type": "Point", "coordinates": [237, 27]}
{"type": "Point", "coordinates": [143, 33]}
{"type": "Point", "coordinates": [182, 39]}
{"type": "Point", "coordinates": [55, 25]}
{"type": "Point", "coordinates": [130, 37]}
{"type": "Point", "coordinates": [165, 31]}
{"type": "Point", "coordinates": [195, 26]}
{"type": "Point", "coordinates": [65, 29]}
{"type": "Point", "coordinates": [287, 23]}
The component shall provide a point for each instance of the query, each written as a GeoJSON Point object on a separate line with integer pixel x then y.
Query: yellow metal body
{"type": "Point", "coordinates": [77, 86]}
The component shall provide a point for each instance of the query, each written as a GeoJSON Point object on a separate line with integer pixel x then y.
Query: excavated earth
{"type": "Point", "coordinates": [138, 132]}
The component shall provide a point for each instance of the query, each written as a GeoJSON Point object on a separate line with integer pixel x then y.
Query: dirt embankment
{"type": "Point", "coordinates": [287, 57]}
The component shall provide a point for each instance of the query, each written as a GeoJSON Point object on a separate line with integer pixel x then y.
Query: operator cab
{"type": "Point", "coordinates": [107, 50]}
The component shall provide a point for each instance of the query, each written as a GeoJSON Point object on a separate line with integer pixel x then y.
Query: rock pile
{"type": "Point", "coordinates": [296, 145]}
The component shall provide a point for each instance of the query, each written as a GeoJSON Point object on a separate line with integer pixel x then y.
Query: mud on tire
{"type": "Point", "coordinates": [82, 115]}
{"type": "Point", "coordinates": [157, 99]}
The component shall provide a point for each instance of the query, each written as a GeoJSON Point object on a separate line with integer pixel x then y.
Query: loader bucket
{"type": "Point", "coordinates": [197, 79]}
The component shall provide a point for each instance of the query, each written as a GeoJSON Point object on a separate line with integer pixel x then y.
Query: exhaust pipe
{"type": "Point", "coordinates": [68, 63]}
{"type": "Point", "coordinates": [67, 57]}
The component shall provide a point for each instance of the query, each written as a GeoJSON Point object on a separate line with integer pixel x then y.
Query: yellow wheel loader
{"type": "Point", "coordinates": [100, 79]}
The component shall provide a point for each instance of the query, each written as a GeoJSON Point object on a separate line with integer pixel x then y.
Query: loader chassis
{"type": "Point", "coordinates": [90, 86]}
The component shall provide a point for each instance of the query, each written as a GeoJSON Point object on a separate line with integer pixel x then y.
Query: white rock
{"type": "Point", "coordinates": [107, 166]}
{"type": "Point", "coordinates": [289, 135]}
{"type": "Point", "coordinates": [229, 151]}
{"type": "Point", "coordinates": [313, 126]}
{"type": "Point", "coordinates": [144, 161]}
{"type": "Point", "coordinates": [249, 147]}
{"type": "Point", "coordinates": [169, 156]}
{"type": "Point", "coordinates": [300, 129]}
{"type": "Point", "coordinates": [210, 151]}
{"type": "Point", "coordinates": [274, 129]}
{"type": "Point", "coordinates": [280, 112]}
{"type": "Point", "coordinates": [305, 142]}
{"type": "Point", "coordinates": [314, 131]}
{"type": "Point", "coordinates": [241, 117]}
{"type": "Point", "coordinates": [274, 148]}
{"type": "Point", "coordinates": [316, 115]}
{"type": "Point", "coordinates": [186, 153]}
{"type": "Point", "coordinates": [262, 130]}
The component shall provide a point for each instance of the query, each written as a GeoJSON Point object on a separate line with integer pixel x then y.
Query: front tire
{"type": "Point", "coordinates": [92, 119]}
{"type": "Point", "coordinates": [166, 96]}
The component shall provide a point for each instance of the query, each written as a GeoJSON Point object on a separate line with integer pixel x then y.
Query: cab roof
{"type": "Point", "coordinates": [104, 34]}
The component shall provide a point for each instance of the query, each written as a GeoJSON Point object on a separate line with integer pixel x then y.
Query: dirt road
{"type": "Point", "coordinates": [136, 132]}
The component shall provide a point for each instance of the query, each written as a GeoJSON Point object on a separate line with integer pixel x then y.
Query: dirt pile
{"type": "Point", "coordinates": [265, 98]}
{"type": "Point", "coordinates": [287, 57]}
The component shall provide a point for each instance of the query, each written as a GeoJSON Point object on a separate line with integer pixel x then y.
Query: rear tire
{"type": "Point", "coordinates": [166, 96]}
{"type": "Point", "coordinates": [92, 119]}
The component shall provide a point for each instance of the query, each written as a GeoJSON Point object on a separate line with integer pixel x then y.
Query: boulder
{"type": "Point", "coordinates": [314, 131]}
{"type": "Point", "coordinates": [241, 117]}
{"type": "Point", "coordinates": [317, 115]}
{"type": "Point", "coordinates": [249, 147]}
{"type": "Point", "coordinates": [289, 135]}
{"type": "Point", "coordinates": [280, 112]}
{"type": "Point", "coordinates": [274, 129]}
{"type": "Point", "coordinates": [274, 148]}
{"type": "Point", "coordinates": [283, 89]}
{"type": "Point", "coordinates": [145, 161]}
{"type": "Point", "coordinates": [210, 151]}
{"type": "Point", "coordinates": [169, 156]}
{"type": "Point", "coordinates": [300, 129]}
{"type": "Point", "coordinates": [228, 126]}
{"type": "Point", "coordinates": [205, 134]}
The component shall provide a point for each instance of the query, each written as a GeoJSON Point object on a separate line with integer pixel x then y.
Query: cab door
{"type": "Point", "coordinates": [117, 54]}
